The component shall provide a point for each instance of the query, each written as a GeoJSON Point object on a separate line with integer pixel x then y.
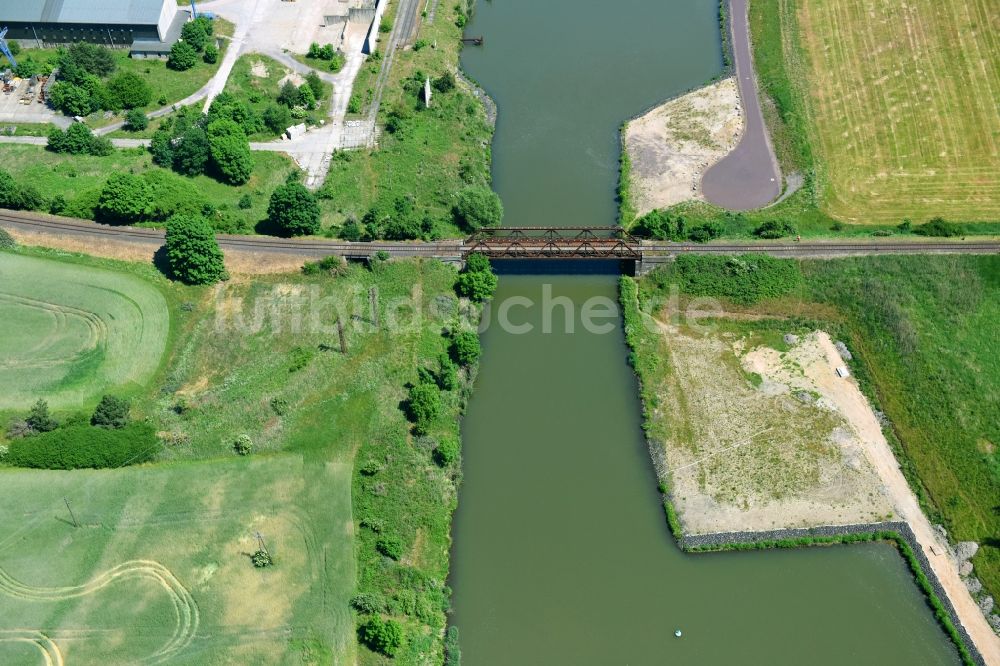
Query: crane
{"type": "Point", "coordinates": [6, 49]}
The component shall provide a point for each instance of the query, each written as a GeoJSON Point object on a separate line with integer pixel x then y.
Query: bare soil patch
{"type": "Point", "coordinates": [671, 146]}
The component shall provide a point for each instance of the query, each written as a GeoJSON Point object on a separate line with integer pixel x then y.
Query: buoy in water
{"type": "Point", "coordinates": [677, 633]}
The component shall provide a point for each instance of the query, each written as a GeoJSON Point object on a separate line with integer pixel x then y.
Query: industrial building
{"type": "Point", "coordinates": [148, 28]}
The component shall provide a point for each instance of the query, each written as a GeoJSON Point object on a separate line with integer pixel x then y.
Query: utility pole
{"type": "Point", "coordinates": [70, 509]}
{"type": "Point", "coordinates": [373, 304]}
{"type": "Point", "coordinates": [260, 544]}
{"type": "Point", "coordinates": [343, 338]}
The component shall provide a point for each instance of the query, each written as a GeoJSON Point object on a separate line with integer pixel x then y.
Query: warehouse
{"type": "Point", "coordinates": [145, 27]}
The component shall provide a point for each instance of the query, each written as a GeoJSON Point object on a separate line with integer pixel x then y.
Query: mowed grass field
{"type": "Point", "coordinates": [71, 332]}
{"type": "Point", "coordinates": [904, 104]}
{"type": "Point", "coordinates": [159, 570]}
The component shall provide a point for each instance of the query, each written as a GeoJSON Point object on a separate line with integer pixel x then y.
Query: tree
{"type": "Point", "coordinates": [478, 285]}
{"type": "Point", "coordinates": [478, 207]}
{"type": "Point", "coordinates": [92, 58]}
{"type": "Point", "coordinates": [315, 84]}
{"type": "Point", "coordinates": [111, 412]}
{"type": "Point", "coordinates": [125, 198]}
{"type": "Point", "coordinates": [183, 56]}
{"type": "Point", "coordinates": [128, 90]}
{"type": "Point", "coordinates": [194, 34]}
{"type": "Point", "coordinates": [14, 46]}
{"type": "Point", "coordinates": [230, 151]}
{"type": "Point", "coordinates": [39, 418]}
{"type": "Point", "coordinates": [306, 97]}
{"type": "Point", "coordinates": [211, 55]}
{"type": "Point", "coordinates": [15, 196]}
{"type": "Point", "coordinates": [191, 152]}
{"type": "Point", "coordinates": [161, 148]}
{"type": "Point", "coordinates": [293, 209]}
{"type": "Point", "coordinates": [136, 121]}
{"type": "Point", "coordinates": [228, 106]}
{"type": "Point", "coordinates": [289, 95]}
{"type": "Point", "coordinates": [465, 347]}
{"type": "Point", "coordinates": [78, 140]}
{"type": "Point", "coordinates": [71, 99]}
{"type": "Point", "coordinates": [193, 252]}
{"type": "Point", "coordinates": [385, 636]}
{"type": "Point", "coordinates": [424, 405]}
{"type": "Point", "coordinates": [477, 262]}
{"type": "Point", "coordinates": [444, 83]}
{"type": "Point", "coordinates": [277, 118]}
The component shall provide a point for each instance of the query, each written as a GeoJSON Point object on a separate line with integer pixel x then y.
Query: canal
{"type": "Point", "coordinates": [561, 550]}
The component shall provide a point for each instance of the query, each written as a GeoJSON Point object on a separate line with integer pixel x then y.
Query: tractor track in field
{"type": "Point", "coordinates": [185, 607]}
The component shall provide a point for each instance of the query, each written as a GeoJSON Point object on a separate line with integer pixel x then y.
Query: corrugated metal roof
{"type": "Point", "coordinates": [142, 12]}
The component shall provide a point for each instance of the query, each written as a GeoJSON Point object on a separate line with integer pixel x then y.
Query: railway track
{"type": "Point", "coordinates": [449, 250]}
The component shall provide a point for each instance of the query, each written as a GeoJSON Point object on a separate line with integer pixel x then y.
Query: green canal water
{"type": "Point", "coordinates": [561, 551]}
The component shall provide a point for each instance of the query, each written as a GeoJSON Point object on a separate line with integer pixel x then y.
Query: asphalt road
{"type": "Point", "coordinates": [748, 177]}
{"type": "Point", "coordinates": [653, 251]}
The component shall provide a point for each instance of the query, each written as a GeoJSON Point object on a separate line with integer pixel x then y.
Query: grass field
{"type": "Point", "coordinates": [72, 332]}
{"type": "Point", "coordinates": [159, 571]}
{"type": "Point", "coordinates": [924, 334]}
{"type": "Point", "coordinates": [79, 179]}
{"type": "Point", "coordinates": [439, 151]}
{"type": "Point", "coordinates": [903, 104]}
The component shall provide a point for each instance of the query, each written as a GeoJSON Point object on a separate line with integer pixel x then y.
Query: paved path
{"type": "Point", "coordinates": [749, 176]}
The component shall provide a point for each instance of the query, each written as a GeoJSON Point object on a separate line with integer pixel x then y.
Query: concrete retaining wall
{"type": "Point", "coordinates": [371, 41]}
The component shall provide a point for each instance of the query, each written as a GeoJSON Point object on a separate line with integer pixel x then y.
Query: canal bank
{"type": "Point", "coordinates": [561, 554]}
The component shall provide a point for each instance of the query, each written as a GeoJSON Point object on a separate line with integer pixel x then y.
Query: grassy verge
{"type": "Point", "coordinates": [435, 153]}
{"type": "Point", "coordinates": [921, 331]}
{"type": "Point", "coordinates": [78, 179]}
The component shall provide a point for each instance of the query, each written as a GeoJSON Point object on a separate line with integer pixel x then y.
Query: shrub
{"type": "Point", "coordinates": [125, 198]}
{"type": "Point", "coordinates": [7, 241]}
{"type": "Point", "coordinates": [447, 376]}
{"type": "Point", "coordinates": [424, 405]}
{"type": "Point", "coordinates": [354, 104]}
{"type": "Point", "coordinates": [211, 54]}
{"type": "Point", "coordinates": [183, 56]}
{"type": "Point", "coordinates": [477, 262]}
{"type": "Point", "coordinates": [465, 347]}
{"type": "Point", "coordinates": [775, 229]}
{"type": "Point", "coordinates": [82, 446]}
{"type": "Point", "coordinates": [384, 636]}
{"type": "Point", "coordinates": [279, 406]}
{"type": "Point", "coordinates": [444, 83]}
{"type": "Point", "coordinates": [277, 118]}
{"type": "Point", "coordinates": [390, 546]}
{"type": "Point", "coordinates": [243, 446]}
{"type": "Point", "coordinates": [705, 232]}
{"type": "Point", "coordinates": [315, 85]}
{"type": "Point", "coordinates": [478, 207]}
{"type": "Point", "coordinates": [446, 452]}
{"type": "Point", "coordinates": [293, 210]}
{"type": "Point", "coordinates": [337, 62]}
{"type": "Point", "coordinates": [128, 90]}
{"type": "Point", "coordinates": [111, 412]}
{"type": "Point", "coordinates": [193, 252]}
{"type": "Point", "coordinates": [939, 228]}
{"type": "Point", "coordinates": [245, 202]}
{"type": "Point", "coordinates": [13, 195]}
{"type": "Point", "coordinates": [39, 419]}
{"type": "Point", "coordinates": [368, 603]}
{"type": "Point", "coordinates": [262, 559]}
{"type": "Point", "coordinates": [136, 121]}
{"type": "Point", "coordinates": [230, 151]}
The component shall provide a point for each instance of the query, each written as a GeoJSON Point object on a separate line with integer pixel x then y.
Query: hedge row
{"type": "Point", "coordinates": [84, 446]}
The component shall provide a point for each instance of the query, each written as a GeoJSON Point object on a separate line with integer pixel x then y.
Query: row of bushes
{"type": "Point", "coordinates": [85, 446]}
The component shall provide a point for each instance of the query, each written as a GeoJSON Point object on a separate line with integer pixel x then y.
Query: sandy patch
{"type": "Point", "coordinates": [674, 144]}
{"type": "Point", "coordinates": [259, 69]}
{"type": "Point", "coordinates": [294, 77]}
{"type": "Point", "coordinates": [754, 443]}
